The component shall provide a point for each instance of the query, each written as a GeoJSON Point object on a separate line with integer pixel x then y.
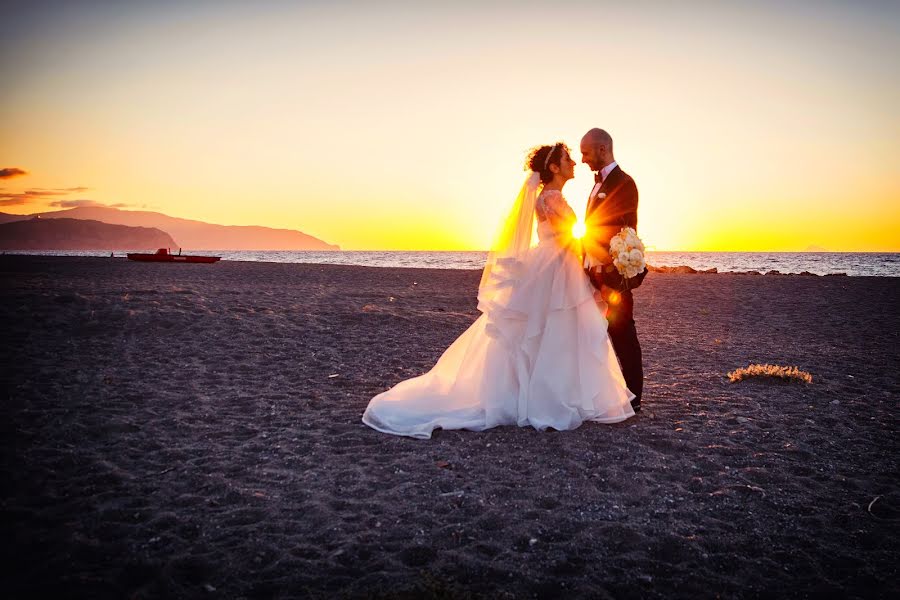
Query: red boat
{"type": "Point", "coordinates": [163, 255]}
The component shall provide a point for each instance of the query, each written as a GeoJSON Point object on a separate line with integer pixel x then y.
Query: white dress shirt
{"type": "Point", "coordinates": [590, 261]}
{"type": "Point", "coordinates": [604, 173]}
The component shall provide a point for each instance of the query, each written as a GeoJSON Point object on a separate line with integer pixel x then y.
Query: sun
{"type": "Point", "coordinates": [578, 230]}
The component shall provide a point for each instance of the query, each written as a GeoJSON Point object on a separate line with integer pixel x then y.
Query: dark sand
{"type": "Point", "coordinates": [181, 431]}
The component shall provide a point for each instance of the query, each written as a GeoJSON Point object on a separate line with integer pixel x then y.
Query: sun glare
{"type": "Point", "coordinates": [578, 230]}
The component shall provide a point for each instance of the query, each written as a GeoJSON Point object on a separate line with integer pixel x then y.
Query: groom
{"type": "Point", "coordinates": [612, 205]}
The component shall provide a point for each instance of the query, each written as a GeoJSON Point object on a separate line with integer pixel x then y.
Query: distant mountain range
{"type": "Point", "coordinates": [191, 235]}
{"type": "Point", "coordinates": [79, 234]}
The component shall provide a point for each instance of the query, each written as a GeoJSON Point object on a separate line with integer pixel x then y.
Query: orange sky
{"type": "Point", "coordinates": [753, 127]}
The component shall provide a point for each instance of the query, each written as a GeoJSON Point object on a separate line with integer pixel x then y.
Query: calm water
{"type": "Point", "coordinates": [820, 263]}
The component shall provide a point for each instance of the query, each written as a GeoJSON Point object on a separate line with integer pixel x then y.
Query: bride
{"type": "Point", "coordinates": [539, 354]}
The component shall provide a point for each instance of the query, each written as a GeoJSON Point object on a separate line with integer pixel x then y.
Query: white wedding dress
{"type": "Point", "coordinates": [538, 355]}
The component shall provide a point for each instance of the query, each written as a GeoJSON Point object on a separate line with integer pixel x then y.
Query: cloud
{"type": "Point", "coordinates": [17, 199]}
{"type": "Point", "coordinates": [10, 172]}
{"type": "Point", "coordinates": [76, 203]}
{"type": "Point", "coordinates": [37, 194]}
{"type": "Point", "coordinates": [85, 202]}
{"type": "Point", "coordinates": [57, 191]}
{"type": "Point", "coordinates": [47, 197]}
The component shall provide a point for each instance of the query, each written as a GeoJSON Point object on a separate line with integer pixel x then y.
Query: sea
{"type": "Point", "coordinates": [855, 264]}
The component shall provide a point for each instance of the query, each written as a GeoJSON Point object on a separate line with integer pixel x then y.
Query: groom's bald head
{"type": "Point", "coordinates": [597, 149]}
{"type": "Point", "coordinates": [598, 137]}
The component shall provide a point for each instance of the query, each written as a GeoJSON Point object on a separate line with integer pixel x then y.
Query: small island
{"type": "Point", "coordinates": [79, 234]}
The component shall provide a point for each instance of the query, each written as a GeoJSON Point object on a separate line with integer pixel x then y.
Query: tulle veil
{"type": "Point", "coordinates": [505, 260]}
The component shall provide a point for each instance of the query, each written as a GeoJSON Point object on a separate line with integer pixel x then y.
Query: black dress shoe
{"type": "Point", "coordinates": [636, 406]}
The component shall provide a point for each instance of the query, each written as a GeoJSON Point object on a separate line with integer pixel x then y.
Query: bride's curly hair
{"type": "Point", "coordinates": [541, 157]}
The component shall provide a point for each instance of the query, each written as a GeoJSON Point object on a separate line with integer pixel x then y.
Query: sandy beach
{"type": "Point", "coordinates": [193, 431]}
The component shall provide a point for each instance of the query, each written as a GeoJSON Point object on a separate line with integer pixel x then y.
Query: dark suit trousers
{"type": "Point", "coordinates": [623, 335]}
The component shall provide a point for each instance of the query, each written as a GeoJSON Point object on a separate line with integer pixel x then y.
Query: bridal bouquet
{"type": "Point", "coordinates": [627, 252]}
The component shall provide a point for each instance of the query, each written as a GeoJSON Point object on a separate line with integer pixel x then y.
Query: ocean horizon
{"type": "Point", "coordinates": [854, 264]}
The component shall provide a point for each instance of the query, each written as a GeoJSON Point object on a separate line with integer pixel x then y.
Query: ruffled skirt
{"type": "Point", "coordinates": [539, 356]}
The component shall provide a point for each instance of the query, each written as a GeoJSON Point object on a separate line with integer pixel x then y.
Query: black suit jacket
{"type": "Point", "coordinates": [604, 219]}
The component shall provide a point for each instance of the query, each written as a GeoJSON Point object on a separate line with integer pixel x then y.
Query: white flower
{"type": "Point", "coordinates": [627, 251]}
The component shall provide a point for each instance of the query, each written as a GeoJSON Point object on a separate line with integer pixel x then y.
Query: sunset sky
{"type": "Point", "coordinates": [404, 125]}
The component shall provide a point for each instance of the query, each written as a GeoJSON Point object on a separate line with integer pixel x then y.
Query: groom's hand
{"type": "Point", "coordinates": [595, 274]}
